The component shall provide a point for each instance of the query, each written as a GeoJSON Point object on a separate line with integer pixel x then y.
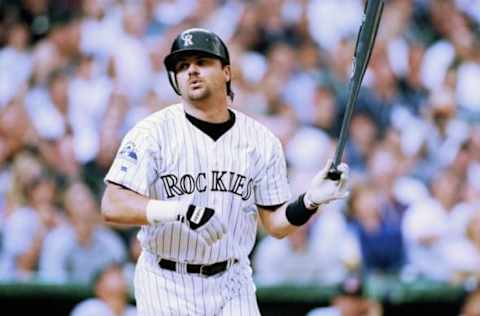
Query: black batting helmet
{"type": "Point", "coordinates": [196, 40]}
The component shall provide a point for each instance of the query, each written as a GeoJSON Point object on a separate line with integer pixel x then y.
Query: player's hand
{"type": "Point", "coordinates": [323, 190]}
{"type": "Point", "coordinates": [205, 222]}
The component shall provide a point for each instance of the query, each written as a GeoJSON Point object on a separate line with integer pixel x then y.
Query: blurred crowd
{"type": "Point", "coordinates": [76, 75]}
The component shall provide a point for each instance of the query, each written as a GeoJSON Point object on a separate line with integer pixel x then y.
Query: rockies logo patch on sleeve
{"type": "Point", "coordinates": [129, 153]}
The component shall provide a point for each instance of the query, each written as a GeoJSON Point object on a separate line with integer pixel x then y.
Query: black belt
{"type": "Point", "coordinates": [202, 269]}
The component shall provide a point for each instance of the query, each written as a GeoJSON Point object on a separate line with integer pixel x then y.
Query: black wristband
{"type": "Point", "coordinates": [297, 213]}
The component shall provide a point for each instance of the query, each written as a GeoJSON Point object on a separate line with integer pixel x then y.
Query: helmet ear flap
{"type": "Point", "coordinates": [172, 77]}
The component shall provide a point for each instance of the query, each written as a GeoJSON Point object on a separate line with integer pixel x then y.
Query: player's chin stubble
{"type": "Point", "coordinates": [198, 94]}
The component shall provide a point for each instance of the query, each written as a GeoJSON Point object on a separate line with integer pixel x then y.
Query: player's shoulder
{"type": "Point", "coordinates": [254, 126]}
{"type": "Point", "coordinates": [154, 122]}
{"type": "Point", "coordinates": [157, 118]}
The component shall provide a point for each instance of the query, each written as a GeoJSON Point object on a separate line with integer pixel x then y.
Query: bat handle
{"type": "Point", "coordinates": [334, 174]}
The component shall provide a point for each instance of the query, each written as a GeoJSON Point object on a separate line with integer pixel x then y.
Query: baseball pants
{"type": "Point", "coordinates": [163, 292]}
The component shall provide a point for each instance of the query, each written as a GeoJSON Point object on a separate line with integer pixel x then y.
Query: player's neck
{"type": "Point", "coordinates": [210, 111]}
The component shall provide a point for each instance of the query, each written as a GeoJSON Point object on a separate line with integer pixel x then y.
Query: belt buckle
{"type": "Point", "coordinates": [201, 270]}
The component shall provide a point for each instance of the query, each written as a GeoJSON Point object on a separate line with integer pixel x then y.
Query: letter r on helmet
{"type": "Point", "coordinates": [187, 39]}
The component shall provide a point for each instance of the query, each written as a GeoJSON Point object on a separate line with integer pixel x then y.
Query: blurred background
{"type": "Point", "coordinates": [75, 75]}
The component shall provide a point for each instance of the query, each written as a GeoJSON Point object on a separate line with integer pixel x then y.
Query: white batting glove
{"type": "Point", "coordinates": [205, 222]}
{"type": "Point", "coordinates": [323, 190]}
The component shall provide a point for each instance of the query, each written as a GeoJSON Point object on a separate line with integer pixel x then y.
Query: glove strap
{"type": "Point", "coordinates": [197, 216]}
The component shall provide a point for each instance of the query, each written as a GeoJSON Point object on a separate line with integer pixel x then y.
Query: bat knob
{"type": "Point", "coordinates": [334, 174]}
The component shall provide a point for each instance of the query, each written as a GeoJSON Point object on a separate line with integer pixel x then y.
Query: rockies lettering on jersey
{"type": "Point", "coordinates": [190, 183]}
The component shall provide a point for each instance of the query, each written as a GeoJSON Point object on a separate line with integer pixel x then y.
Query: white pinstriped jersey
{"type": "Point", "coordinates": [166, 157]}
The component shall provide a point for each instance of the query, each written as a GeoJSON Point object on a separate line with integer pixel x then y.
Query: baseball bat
{"type": "Point", "coordinates": [367, 33]}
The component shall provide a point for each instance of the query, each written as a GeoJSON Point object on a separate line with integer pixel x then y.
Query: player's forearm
{"type": "Point", "coordinates": [122, 206]}
{"type": "Point", "coordinates": [276, 222]}
{"type": "Point", "coordinates": [282, 226]}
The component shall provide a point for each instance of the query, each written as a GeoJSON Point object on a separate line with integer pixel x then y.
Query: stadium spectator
{"type": "Point", "coordinates": [29, 221]}
{"type": "Point", "coordinates": [76, 251]}
{"type": "Point", "coordinates": [465, 265]}
{"type": "Point", "coordinates": [350, 301]}
{"type": "Point", "coordinates": [380, 239]}
{"type": "Point", "coordinates": [16, 64]}
{"type": "Point", "coordinates": [385, 169]}
{"type": "Point", "coordinates": [321, 253]}
{"type": "Point", "coordinates": [111, 296]}
{"type": "Point", "coordinates": [427, 229]}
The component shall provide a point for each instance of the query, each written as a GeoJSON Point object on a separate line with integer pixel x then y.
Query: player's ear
{"type": "Point", "coordinates": [227, 72]}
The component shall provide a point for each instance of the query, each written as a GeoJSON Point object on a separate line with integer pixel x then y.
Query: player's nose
{"type": "Point", "coordinates": [193, 68]}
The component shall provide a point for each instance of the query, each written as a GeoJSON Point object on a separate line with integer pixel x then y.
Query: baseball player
{"type": "Point", "coordinates": [196, 176]}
